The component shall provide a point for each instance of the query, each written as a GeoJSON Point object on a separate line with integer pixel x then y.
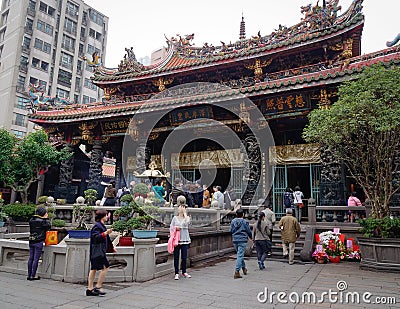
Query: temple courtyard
{"type": "Point", "coordinates": [341, 285]}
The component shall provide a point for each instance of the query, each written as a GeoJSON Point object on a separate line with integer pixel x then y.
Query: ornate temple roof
{"type": "Point", "coordinates": [316, 74]}
{"type": "Point", "coordinates": [319, 23]}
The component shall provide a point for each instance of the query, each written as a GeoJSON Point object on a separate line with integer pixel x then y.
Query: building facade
{"type": "Point", "coordinates": [43, 43]}
{"type": "Point", "coordinates": [260, 88]}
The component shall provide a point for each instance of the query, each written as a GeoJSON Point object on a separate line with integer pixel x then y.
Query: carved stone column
{"type": "Point", "coordinates": [66, 168]}
{"type": "Point", "coordinates": [96, 166]}
{"type": "Point", "coordinates": [331, 184]}
{"type": "Point", "coordinates": [252, 166]}
{"type": "Point", "coordinates": [142, 157]}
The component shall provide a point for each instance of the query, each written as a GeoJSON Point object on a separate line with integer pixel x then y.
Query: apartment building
{"type": "Point", "coordinates": [41, 43]}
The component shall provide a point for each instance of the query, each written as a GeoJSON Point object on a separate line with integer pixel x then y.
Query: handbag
{"type": "Point", "coordinates": [51, 238]}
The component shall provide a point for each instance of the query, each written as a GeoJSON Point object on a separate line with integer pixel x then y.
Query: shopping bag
{"type": "Point", "coordinates": [51, 238]}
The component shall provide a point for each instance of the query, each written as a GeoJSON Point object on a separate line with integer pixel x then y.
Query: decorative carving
{"type": "Point", "coordinates": [129, 63]}
{"type": "Point", "coordinates": [142, 157]}
{"type": "Point", "coordinates": [252, 166]}
{"type": "Point", "coordinates": [95, 62]}
{"type": "Point", "coordinates": [221, 158]}
{"type": "Point", "coordinates": [86, 131]}
{"type": "Point", "coordinates": [66, 168]}
{"type": "Point", "coordinates": [161, 82]}
{"type": "Point", "coordinates": [257, 67]}
{"type": "Point", "coordinates": [96, 165]}
{"type": "Point", "coordinates": [109, 91]}
{"type": "Point", "coordinates": [394, 42]}
{"type": "Point", "coordinates": [294, 154]}
{"type": "Point", "coordinates": [41, 102]}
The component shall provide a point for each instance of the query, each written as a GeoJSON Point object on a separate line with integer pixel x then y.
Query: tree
{"type": "Point", "coordinates": [23, 161]}
{"type": "Point", "coordinates": [363, 130]}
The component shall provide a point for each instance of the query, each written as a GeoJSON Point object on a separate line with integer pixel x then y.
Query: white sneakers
{"type": "Point", "coordinates": [185, 275]}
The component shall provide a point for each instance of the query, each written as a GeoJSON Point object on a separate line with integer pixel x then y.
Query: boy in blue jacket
{"type": "Point", "coordinates": [240, 230]}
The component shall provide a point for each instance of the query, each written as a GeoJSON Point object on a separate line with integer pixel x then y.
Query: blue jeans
{"type": "Point", "coordinates": [240, 247]}
{"type": "Point", "coordinates": [35, 251]}
{"type": "Point", "coordinates": [183, 249]}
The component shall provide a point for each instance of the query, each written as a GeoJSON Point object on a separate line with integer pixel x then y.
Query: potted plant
{"type": "Point", "coordinates": [126, 199]}
{"type": "Point", "coordinates": [81, 213]}
{"type": "Point", "coordinates": [90, 196]}
{"type": "Point", "coordinates": [362, 129]}
{"type": "Point", "coordinates": [140, 189]}
{"type": "Point", "coordinates": [19, 212]}
{"type": "Point", "coordinates": [125, 239]}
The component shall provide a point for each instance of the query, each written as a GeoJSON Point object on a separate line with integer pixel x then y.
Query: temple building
{"type": "Point", "coordinates": [229, 115]}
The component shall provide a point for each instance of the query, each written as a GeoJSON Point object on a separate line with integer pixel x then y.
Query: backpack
{"type": "Point", "coordinates": [287, 201]}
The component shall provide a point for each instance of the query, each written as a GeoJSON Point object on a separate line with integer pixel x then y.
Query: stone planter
{"type": "Point", "coordinates": [380, 254]}
{"type": "Point", "coordinates": [144, 233]}
{"type": "Point", "coordinates": [79, 234]}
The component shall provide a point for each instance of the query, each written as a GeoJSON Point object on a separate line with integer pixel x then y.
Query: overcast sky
{"type": "Point", "coordinates": [142, 24]}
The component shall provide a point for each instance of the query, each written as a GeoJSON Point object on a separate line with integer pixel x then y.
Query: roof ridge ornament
{"type": "Point", "coordinates": [394, 42]}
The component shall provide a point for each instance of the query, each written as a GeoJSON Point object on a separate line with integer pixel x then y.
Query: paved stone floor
{"type": "Point", "coordinates": [213, 286]}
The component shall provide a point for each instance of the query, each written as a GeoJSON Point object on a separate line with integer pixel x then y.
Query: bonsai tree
{"type": "Point", "coordinates": [90, 196]}
{"type": "Point", "coordinates": [140, 189]}
{"type": "Point", "coordinates": [22, 162]}
{"type": "Point", "coordinates": [363, 130]}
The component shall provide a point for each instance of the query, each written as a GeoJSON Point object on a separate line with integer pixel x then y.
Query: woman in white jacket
{"type": "Point", "coordinates": [181, 223]}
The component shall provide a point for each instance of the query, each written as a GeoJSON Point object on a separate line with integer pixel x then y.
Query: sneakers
{"type": "Point", "coordinates": [244, 271]}
{"type": "Point", "coordinates": [186, 275]}
{"type": "Point", "coordinates": [91, 292]}
{"type": "Point", "coordinates": [176, 277]}
{"type": "Point", "coordinates": [100, 292]}
{"type": "Point", "coordinates": [260, 265]}
{"type": "Point", "coordinates": [269, 254]}
{"type": "Point", "coordinates": [33, 278]}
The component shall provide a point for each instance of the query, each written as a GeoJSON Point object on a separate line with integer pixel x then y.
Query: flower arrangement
{"type": "Point", "coordinates": [331, 246]}
{"type": "Point", "coordinates": [319, 255]}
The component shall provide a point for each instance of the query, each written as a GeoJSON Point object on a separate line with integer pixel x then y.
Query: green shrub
{"type": "Point", "coordinates": [120, 226]}
{"type": "Point", "coordinates": [384, 228]}
{"type": "Point", "coordinates": [58, 223]}
{"type": "Point", "coordinates": [42, 199]}
{"type": "Point", "coordinates": [20, 211]}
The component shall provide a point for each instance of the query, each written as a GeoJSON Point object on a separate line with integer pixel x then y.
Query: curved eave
{"type": "Point", "coordinates": [324, 77]}
{"type": "Point", "coordinates": [300, 41]}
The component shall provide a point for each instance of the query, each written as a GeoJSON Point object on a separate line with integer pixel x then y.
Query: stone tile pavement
{"type": "Point", "coordinates": [213, 286]}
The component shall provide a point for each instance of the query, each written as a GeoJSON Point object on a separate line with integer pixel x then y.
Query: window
{"type": "Point", "coordinates": [29, 24]}
{"type": "Point", "coordinates": [45, 27]}
{"type": "Point", "coordinates": [70, 26]}
{"type": "Point", "coordinates": [35, 62]}
{"type": "Point", "coordinates": [44, 66]}
{"type": "Point", "coordinates": [88, 84]}
{"type": "Point", "coordinates": [19, 120]}
{"type": "Point", "coordinates": [26, 44]}
{"type": "Point", "coordinates": [96, 17]}
{"type": "Point", "coordinates": [18, 134]}
{"type": "Point", "coordinates": [92, 33]}
{"type": "Point", "coordinates": [61, 93]}
{"type": "Point", "coordinates": [23, 60]}
{"type": "Point", "coordinates": [79, 66]}
{"type": "Point", "coordinates": [76, 98]}
{"type": "Point", "coordinates": [66, 60]}
{"type": "Point", "coordinates": [64, 78]}
{"type": "Point", "coordinates": [40, 83]}
{"type": "Point", "coordinates": [21, 83]}
{"type": "Point", "coordinates": [43, 46]}
{"type": "Point", "coordinates": [43, 7]}
{"type": "Point", "coordinates": [21, 103]}
{"type": "Point", "coordinates": [81, 49]}
{"type": "Point", "coordinates": [72, 9]}
{"type": "Point", "coordinates": [32, 5]}
{"type": "Point", "coordinates": [68, 42]}
{"type": "Point", "coordinates": [85, 99]}
{"type": "Point", "coordinates": [90, 49]}
{"type": "Point", "coordinates": [98, 36]}
{"type": "Point", "coordinates": [4, 18]}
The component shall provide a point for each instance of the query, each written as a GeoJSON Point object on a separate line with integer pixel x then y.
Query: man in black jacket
{"type": "Point", "coordinates": [39, 224]}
